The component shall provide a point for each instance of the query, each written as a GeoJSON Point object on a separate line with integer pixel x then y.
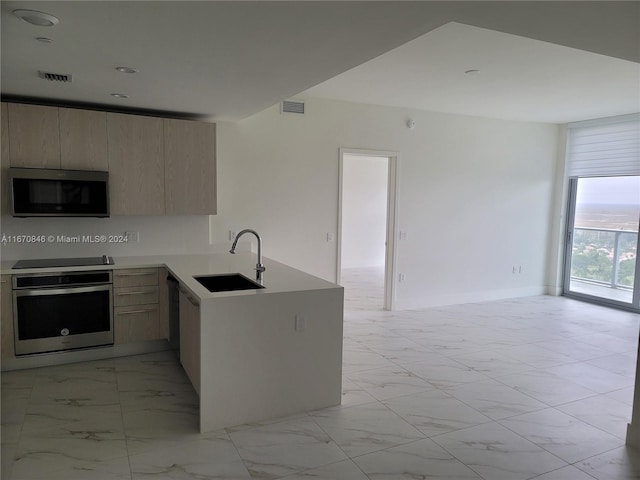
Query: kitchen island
{"type": "Point", "coordinates": [253, 354]}
{"type": "Point", "coordinates": [263, 353]}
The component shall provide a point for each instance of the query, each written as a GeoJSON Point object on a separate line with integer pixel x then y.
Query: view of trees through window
{"type": "Point", "coordinates": [605, 235]}
{"type": "Point", "coordinates": [594, 253]}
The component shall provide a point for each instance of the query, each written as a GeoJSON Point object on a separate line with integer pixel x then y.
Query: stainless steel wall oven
{"type": "Point", "coordinates": [62, 311]}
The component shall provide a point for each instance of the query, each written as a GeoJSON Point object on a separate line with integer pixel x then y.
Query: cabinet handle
{"type": "Point", "coordinates": [142, 310]}
{"type": "Point", "coordinates": [134, 274]}
{"type": "Point", "coordinates": [192, 300]}
{"type": "Point", "coordinates": [137, 292]}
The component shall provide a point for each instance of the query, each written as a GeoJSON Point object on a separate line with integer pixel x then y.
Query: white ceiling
{"type": "Point", "coordinates": [229, 60]}
{"type": "Point", "coordinates": [518, 78]}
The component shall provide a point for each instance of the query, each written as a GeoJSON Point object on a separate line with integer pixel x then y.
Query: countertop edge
{"type": "Point", "coordinates": [283, 278]}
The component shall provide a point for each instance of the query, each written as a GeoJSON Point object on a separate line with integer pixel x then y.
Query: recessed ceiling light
{"type": "Point", "coordinates": [44, 40]}
{"type": "Point", "coordinates": [472, 72]}
{"type": "Point", "coordinates": [119, 95]}
{"type": "Point", "coordinates": [34, 17]}
{"type": "Point", "coordinates": [126, 70]}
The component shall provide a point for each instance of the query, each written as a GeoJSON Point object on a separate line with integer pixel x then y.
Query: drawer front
{"type": "Point", "coordinates": [123, 297]}
{"type": "Point", "coordinates": [135, 277]}
{"type": "Point", "coordinates": [136, 323]}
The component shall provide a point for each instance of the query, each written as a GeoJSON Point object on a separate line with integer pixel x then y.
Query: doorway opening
{"type": "Point", "coordinates": [367, 228]}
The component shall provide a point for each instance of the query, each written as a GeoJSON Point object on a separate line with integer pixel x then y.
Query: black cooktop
{"type": "Point", "coordinates": [64, 262]}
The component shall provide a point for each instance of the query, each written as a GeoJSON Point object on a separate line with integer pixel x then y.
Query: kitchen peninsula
{"type": "Point", "coordinates": [252, 354]}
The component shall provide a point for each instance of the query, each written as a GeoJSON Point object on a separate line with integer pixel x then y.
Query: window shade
{"type": "Point", "coordinates": [605, 147]}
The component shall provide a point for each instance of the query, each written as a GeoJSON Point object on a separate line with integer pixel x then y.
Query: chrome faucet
{"type": "Point", "coordinates": [259, 266]}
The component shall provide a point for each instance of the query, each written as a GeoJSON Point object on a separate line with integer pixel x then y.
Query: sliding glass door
{"type": "Point", "coordinates": [602, 240]}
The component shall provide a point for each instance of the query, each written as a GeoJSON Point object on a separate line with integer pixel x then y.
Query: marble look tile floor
{"type": "Point", "coordinates": [534, 388]}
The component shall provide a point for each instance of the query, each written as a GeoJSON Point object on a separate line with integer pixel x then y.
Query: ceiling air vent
{"type": "Point", "coordinates": [55, 77]}
{"type": "Point", "coordinates": [292, 106]}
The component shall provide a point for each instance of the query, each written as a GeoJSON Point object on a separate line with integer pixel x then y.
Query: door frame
{"type": "Point", "coordinates": [392, 218]}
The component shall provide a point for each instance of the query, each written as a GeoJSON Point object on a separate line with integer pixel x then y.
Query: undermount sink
{"type": "Point", "coordinates": [227, 282]}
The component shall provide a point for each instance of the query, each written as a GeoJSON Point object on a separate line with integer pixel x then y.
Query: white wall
{"type": "Point", "coordinates": [157, 235]}
{"type": "Point", "coordinates": [475, 198]}
{"type": "Point", "coordinates": [475, 195]}
{"type": "Point", "coordinates": [364, 211]}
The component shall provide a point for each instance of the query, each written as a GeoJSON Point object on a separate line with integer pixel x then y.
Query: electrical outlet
{"type": "Point", "coordinates": [403, 235]}
{"type": "Point", "coordinates": [329, 237]}
{"type": "Point", "coordinates": [513, 269]}
{"type": "Point", "coordinates": [299, 327]}
{"type": "Point", "coordinates": [232, 235]}
{"type": "Point", "coordinates": [132, 237]}
{"type": "Point", "coordinates": [401, 277]}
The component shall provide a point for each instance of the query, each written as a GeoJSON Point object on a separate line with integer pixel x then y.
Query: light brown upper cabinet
{"type": "Point", "coordinates": [190, 167]}
{"type": "Point", "coordinates": [136, 164]}
{"type": "Point", "coordinates": [156, 166]}
{"type": "Point", "coordinates": [83, 139]}
{"type": "Point", "coordinates": [4, 118]}
{"type": "Point", "coordinates": [34, 137]}
{"type": "Point", "coordinates": [4, 161]}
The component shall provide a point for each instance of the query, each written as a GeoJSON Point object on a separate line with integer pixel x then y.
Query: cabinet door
{"type": "Point", "coordinates": [5, 188]}
{"type": "Point", "coordinates": [137, 323]}
{"type": "Point", "coordinates": [136, 164]}
{"type": "Point", "coordinates": [190, 167]}
{"type": "Point", "coordinates": [34, 137]}
{"type": "Point", "coordinates": [83, 139]}
{"type": "Point", "coordinates": [6, 317]}
{"type": "Point", "coordinates": [190, 339]}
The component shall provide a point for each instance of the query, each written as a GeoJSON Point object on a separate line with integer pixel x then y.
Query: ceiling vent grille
{"type": "Point", "coordinates": [292, 106]}
{"type": "Point", "coordinates": [55, 77]}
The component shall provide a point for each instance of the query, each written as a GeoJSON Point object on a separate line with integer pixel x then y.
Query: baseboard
{"type": "Point", "coordinates": [555, 291]}
{"type": "Point", "coordinates": [467, 297]}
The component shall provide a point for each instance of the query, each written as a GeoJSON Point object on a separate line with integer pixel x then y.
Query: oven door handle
{"type": "Point", "coordinates": [60, 291]}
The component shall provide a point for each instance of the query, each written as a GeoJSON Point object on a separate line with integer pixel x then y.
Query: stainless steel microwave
{"type": "Point", "coordinates": [38, 192]}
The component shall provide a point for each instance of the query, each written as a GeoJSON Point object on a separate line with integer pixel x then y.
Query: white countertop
{"type": "Point", "coordinates": [277, 278]}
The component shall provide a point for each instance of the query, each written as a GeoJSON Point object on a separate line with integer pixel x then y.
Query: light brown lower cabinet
{"type": "Point", "coordinates": [138, 308]}
{"type": "Point", "coordinates": [6, 317]}
{"type": "Point", "coordinates": [190, 338]}
{"type": "Point", "coordinates": [136, 323]}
